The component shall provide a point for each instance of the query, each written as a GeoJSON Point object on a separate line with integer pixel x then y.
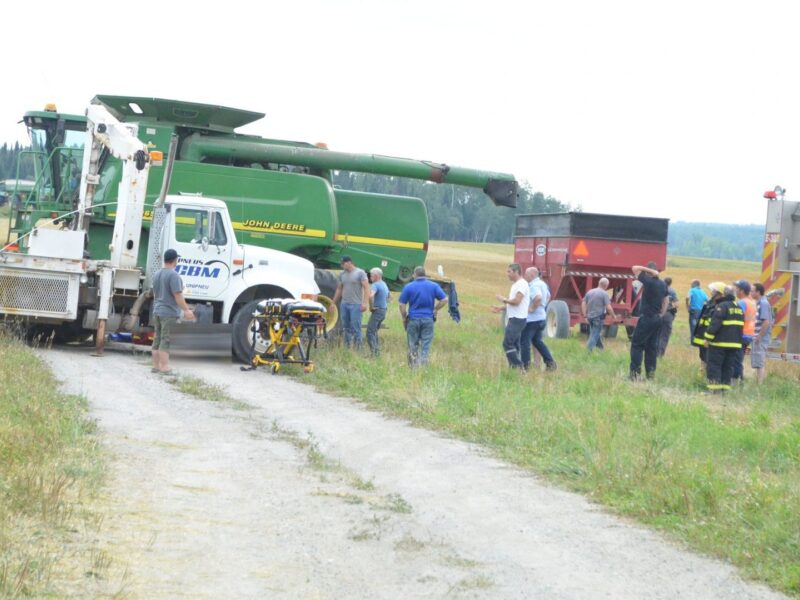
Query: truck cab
{"type": "Point", "coordinates": [219, 271]}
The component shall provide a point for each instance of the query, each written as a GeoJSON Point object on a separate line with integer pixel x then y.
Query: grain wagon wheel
{"type": "Point", "coordinates": [557, 319]}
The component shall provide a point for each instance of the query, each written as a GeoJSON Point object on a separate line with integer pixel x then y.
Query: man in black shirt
{"type": "Point", "coordinates": [653, 304]}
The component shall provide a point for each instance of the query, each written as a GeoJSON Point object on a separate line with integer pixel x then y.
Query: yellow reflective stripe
{"type": "Point", "coordinates": [315, 233]}
{"type": "Point", "coordinates": [699, 341]}
{"type": "Point", "coordinates": [726, 344]}
{"type": "Point", "coordinates": [709, 336]}
{"type": "Point", "coordinates": [358, 239]}
{"type": "Point", "coordinates": [733, 323]}
{"type": "Point", "coordinates": [717, 386]}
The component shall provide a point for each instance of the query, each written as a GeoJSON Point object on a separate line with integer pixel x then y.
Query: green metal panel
{"type": "Point", "coordinates": [397, 242]}
{"type": "Point", "coordinates": [175, 112]}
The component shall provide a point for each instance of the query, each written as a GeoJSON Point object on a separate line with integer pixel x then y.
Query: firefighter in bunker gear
{"type": "Point", "coordinates": [716, 290]}
{"type": "Point", "coordinates": [723, 340]}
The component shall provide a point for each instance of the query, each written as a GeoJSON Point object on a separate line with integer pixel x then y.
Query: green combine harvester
{"type": "Point", "coordinates": [279, 193]}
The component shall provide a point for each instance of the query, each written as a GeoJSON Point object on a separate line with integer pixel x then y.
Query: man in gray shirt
{"type": "Point", "coordinates": [594, 307]}
{"type": "Point", "coordinates": [353, 290]}
{"type": "Point", "coordinates": [168, 306]}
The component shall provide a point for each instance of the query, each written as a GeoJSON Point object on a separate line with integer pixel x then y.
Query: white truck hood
{"type": "Point", "coordinates": [289, 270]}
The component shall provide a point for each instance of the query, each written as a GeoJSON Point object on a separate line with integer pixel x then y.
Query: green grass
{"type": "Point", "coordinates": [719, 264]}
{"type": "Point", "coordinates": [720, 473]}
{"type": "Point", "coordinates": [49, 466]}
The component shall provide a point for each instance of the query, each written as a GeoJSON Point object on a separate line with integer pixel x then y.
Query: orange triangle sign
{"type": "Point", "coordinates": [581, 249]}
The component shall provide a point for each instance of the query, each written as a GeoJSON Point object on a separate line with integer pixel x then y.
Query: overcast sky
{"type": "Point", "coordinates": [682, 109]}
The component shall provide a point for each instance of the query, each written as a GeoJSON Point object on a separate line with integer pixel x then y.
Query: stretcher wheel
{"type": "Point", "coordinates": [275, 368]}
{"type": "Point", "coordinates": [308, 369]}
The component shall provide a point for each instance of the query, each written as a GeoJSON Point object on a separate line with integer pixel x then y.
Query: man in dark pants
{"type": "Point", "coordinates": [724, 341]}
{"type": "Point", "coordinates": [516, 307]}
{"type": "Point", "coordinates": [645, 337]}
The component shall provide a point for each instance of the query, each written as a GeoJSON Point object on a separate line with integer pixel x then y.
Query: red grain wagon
{"type": "Point", "coordinates": [574, 250]}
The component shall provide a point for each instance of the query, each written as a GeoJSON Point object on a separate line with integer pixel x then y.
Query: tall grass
{"type": "Point", "coordinates": [49, 464]}
{"type": "Point", "coordinates": [720, 473]}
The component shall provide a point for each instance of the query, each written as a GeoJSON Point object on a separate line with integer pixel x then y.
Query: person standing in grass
{"type": "Point", "coordinates": [667, 318]}
{"type": "Point", "coordinates": [516, 307]}
{"type": "Point", "coordinates": [353, 289]}
{"type": "Point", "coordinates": [748, 306]}
{"type": "Point", "coordinates": [716, 288]}
{"type": "Point", "coordinates": [596, 304]}
{"type": "Point", "coordinates": [695, 301]}
{"type": "Point", "coordinates": [378, 300]}
{"type": "Point", "coordinates": [723, 341]}
{"type": "Point", "coordinates": [419, 302]}
{"type": "Point", "coordinates": [645, 336]}
{"type": "Point", "coordinates": [763, 330]}
{"type": "Point", "coordinates": [168, 306]}
{"type": "Point", "coordinates": [535, 323]}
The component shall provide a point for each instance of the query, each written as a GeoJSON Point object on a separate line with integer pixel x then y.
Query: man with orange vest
{"type": "Point", "coordinates": [723, 338]}
{"type": "Point", "coordinates": [748, 306]}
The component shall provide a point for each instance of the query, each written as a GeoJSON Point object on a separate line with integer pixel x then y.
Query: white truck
{"type": "Point", "coordinates": [55, 286]}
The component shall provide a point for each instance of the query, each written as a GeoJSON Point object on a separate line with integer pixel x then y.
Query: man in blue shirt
{"type": "Point", "coordinates": [378, 300]}
{"type": "Point", "coordinates": [420, 300]}
{"type": "Point", "coordinates": [695, 300]}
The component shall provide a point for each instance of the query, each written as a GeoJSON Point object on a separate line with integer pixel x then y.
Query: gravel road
{"type": "Point", "coordinates": [290, 493]}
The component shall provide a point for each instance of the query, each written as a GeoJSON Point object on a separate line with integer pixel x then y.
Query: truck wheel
{"type": "Point", "coordinates": [557, 319]}
{"type": "Point", "coordinates": [327, 282]}
{"type": "Point", "coordinates": [610, 331]}
{"type": "Point", "coordinates": [244, 328]}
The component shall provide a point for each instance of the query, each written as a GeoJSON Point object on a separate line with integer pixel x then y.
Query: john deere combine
{"type": "Point", "coordinates": [279, 193]}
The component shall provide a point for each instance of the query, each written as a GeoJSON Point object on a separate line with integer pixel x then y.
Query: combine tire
{"type": "Point", "coordinates": [327, 282]}
{"type": "Point", "coordinates": [243, 325]}
{"type": "Point", "coordinates": [557, 319]}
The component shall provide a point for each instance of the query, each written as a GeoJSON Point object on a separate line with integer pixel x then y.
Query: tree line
{"type": "Point", "coordinates": [8, 162]}
{"type": "Point", "coordinates": [715, 240]}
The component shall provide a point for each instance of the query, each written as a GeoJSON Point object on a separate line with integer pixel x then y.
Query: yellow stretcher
{"type": "Point", "coordinates": [288, 329]}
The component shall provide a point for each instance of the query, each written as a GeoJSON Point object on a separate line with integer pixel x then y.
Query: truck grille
{"type": "Point", "coordinates": [35, 294]}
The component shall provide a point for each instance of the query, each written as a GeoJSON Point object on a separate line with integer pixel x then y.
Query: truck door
{"type": "Point", "coordinates": [204, 246]}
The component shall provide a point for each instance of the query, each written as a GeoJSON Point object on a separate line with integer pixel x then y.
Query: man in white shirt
{"type": "Point", "coordinates": [536, 322]}
{"type": "Point", "coordinates": [516, 306]}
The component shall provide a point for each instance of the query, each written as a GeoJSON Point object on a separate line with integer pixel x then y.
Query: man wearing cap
{"type": "Point", "coordinates": [419, 302]}
{"type": "Point", "coordinates": [168, 305]}
{"type": "Point", "coordinates": [353, 290]}
{"type": "Point", "coordinates": [748, 306]}
{"type": "Point", "coordinates": [723, 340]}
{"type": "Point", "coordinates": [653, 304]}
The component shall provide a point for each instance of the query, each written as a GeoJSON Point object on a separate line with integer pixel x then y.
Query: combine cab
{"type": "Point", "coordinates": [574, 250]}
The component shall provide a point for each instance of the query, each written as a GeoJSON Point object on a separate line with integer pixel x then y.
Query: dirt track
{"type": "Point", "coordinates": [215, 500]}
